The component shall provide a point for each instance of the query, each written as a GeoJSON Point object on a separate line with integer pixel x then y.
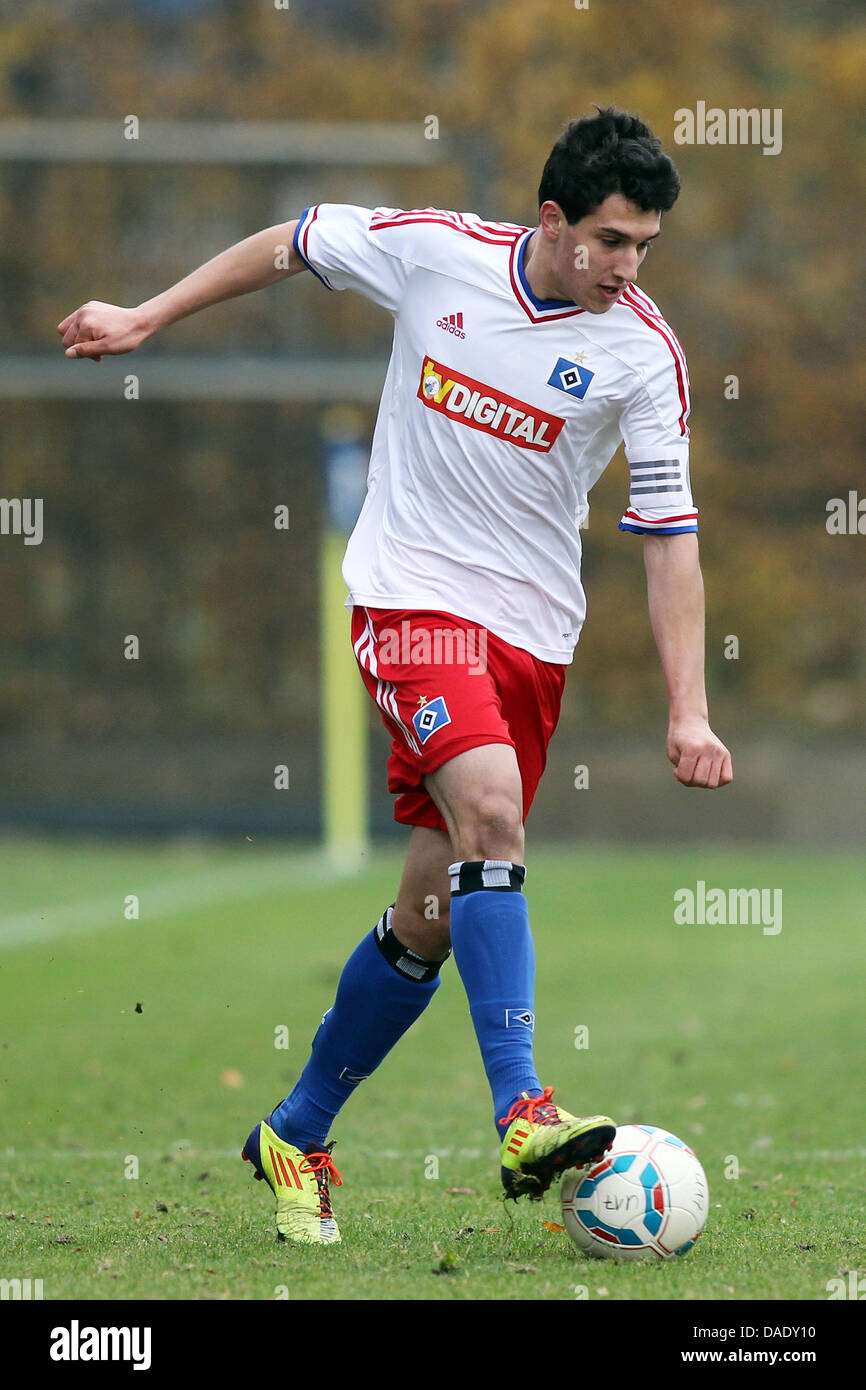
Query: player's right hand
{"type": "Point", "coordinates": [96, 329]}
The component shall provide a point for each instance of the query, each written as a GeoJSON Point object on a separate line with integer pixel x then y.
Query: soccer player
{"type": "Point", "coordinates": [521, 358]}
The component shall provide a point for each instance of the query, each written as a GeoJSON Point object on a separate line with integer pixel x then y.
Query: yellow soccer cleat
{"type": "Point", "coordinates": [542, 1140]}
{"type": "Point", "coordinates": [301, 1184]}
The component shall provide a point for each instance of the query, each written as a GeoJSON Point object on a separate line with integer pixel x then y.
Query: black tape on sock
{"type": "Point", "coordinates": [404, 961]}
{"type": "Point", "coordinates": [494, 875]}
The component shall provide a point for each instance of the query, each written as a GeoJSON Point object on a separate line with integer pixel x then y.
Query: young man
{"type": "Point", "coordinates": [521, 358]}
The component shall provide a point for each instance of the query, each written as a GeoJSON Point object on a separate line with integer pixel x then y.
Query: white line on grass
{"type": "Point", "coordinates": [165, 897]}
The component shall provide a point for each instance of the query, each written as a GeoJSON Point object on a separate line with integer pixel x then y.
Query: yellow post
{"type": "Point", "coordinates": [344, 701]}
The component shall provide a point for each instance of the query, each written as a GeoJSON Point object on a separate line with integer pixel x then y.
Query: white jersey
{"type": "Point", "coordinates": [498, 414]}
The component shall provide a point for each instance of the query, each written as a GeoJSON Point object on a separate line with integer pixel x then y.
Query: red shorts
{"type": "Point", "coordinates": [443, 685]}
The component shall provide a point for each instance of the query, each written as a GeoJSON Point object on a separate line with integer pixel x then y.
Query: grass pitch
{"type": "Point", "coordinates": [138, 1053]}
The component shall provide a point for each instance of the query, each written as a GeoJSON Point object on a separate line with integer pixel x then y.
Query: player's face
{"type": "Point", "coordinates": [593, 260]}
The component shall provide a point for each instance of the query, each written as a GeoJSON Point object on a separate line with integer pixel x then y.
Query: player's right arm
{"type": "Point", "coordinates": [261, 260]}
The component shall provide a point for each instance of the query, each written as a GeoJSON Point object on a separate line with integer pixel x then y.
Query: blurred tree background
{"type": "Point", "coordinates": [159, 515]}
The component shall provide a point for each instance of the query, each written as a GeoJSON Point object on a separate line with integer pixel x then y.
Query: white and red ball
{"type": "Point", "coordinates": [647, 1198]}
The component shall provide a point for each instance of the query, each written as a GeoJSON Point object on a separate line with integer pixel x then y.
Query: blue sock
{"type": "Point", "coordinates": [495, 956]}
{"type": "Point", "coordinates": [383, 989]}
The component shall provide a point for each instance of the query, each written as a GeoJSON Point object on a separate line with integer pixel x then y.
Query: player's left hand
{"type": "Point", "coordinates": [699, 758]}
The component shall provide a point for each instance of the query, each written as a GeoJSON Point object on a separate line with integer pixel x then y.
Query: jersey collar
{"type": "Point", "coordinates": [538, 310]}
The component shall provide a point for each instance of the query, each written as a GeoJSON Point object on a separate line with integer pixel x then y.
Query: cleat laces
{"type": "Point", "coordinates": [536, 1110]}
{"type": "Point", "coordinates": [323, 1167]}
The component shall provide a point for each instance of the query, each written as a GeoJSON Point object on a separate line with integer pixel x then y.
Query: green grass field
{"type": "Point", "coordinates": [748, 1045]}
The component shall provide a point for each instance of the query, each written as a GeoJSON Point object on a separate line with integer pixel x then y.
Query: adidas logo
{"type": "Point", "coordinates": [281, 1176]}
{"type": "Point", "coordinates": [452, 323]}
{"type": "Point", "coordinates": [517, 1140]}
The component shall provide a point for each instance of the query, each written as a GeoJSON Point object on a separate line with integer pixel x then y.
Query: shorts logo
{"type": "Point", "coordinates": [571, 378]}
{"type": "Point", "coordinates": [520, 1018]}
{"type": "Point", "coordinates": [433, 716]}
{"type": "Point", "coordinates": [485, 408]}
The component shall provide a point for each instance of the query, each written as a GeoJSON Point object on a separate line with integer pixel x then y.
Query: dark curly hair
{"type": "Point", "coordinates": [611, 152]}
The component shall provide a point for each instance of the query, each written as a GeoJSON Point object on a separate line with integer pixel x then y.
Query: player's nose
{"type": "Point", "coordinates": [626, 266]}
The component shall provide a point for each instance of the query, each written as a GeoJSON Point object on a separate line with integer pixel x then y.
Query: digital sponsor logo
{"type": "Point", "coordinates": [485, 408]}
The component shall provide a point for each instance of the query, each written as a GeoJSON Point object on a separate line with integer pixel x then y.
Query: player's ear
{"type": "Point", "coordinates": [551, 218]}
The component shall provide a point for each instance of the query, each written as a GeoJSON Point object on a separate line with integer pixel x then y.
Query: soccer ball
{"type": "Point", "coordinates": [648, 1197]}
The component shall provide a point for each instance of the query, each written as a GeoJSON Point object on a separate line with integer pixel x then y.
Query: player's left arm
{"type": "Point", "coordinates": [675, 589]}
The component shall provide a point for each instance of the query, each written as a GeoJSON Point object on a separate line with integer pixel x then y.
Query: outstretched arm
{"type": "Point", "coordinates": [260, 260]}
{"type": "Point", "coordinates": [675, 589]}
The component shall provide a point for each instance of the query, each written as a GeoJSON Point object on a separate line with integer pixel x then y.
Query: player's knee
{"type": "Point", "coordinates": [491, 827]}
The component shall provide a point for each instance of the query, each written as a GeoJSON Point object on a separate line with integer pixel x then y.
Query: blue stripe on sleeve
{"type": "Point", "coordinates": [656, 530]}
{"type": "Point", "coordinates": [296, 242]}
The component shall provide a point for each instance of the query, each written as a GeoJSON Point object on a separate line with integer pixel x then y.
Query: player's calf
{"type": "Point", "coordinates": [421, 915]}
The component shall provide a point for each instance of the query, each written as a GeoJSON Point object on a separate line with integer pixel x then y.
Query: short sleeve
{"type": "Point", "coordinates": [333, 240]}
{"type": "Point", "coordinates": [654, 428]}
